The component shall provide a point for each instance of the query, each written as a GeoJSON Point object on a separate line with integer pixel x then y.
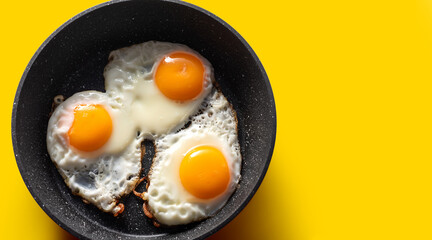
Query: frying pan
{"type": "Point", "coordinates": [73, 58]}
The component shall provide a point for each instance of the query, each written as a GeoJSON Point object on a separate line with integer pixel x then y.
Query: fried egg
{"type": "Point", "coordinates": [95, 149]}
{"type": "Point", "coordinates": [161, 84]}
{"type": "Point", "coordinates": [162, 92]}
{"type": "Point", "coordinates": [196, 169]}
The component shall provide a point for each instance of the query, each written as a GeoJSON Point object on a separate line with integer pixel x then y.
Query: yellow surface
{"type": "Point", "coordinates": [352, 82]}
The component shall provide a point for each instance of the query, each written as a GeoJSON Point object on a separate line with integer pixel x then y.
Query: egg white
{"type": "Point", "coordinates": [129, 79]}
{"type": "Point", "coordinates": [103, 176]}
{"type": "Point", "coordinates": [168, 201]}
{"type": "Point", "coordinates": [136, 105]}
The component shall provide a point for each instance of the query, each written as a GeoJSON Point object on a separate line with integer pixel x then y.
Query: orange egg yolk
{"type": "Point", "coordinates": [91, 127]}
{"type": "Point", "coordinates": [204, 172]}
{"type": "Point", "coordinates": [180, 76]}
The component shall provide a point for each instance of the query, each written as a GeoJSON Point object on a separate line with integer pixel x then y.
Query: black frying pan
{"type": "Point", "coordinates": [72, 59]}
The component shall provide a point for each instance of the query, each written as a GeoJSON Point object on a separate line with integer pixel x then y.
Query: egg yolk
{"type": "Point", "coordinates": [180, 76]}
{"type": "Point", "coordinates": [204, 172]}
{"type": "Point", "coordinates": [91, 127]}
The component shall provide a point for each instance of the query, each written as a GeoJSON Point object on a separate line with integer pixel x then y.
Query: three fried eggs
{"type": "Point", "coordinates": [153, 91]}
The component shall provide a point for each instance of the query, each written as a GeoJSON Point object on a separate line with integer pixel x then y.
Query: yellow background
{"type": "Point", "coordinates": [352, 82]}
